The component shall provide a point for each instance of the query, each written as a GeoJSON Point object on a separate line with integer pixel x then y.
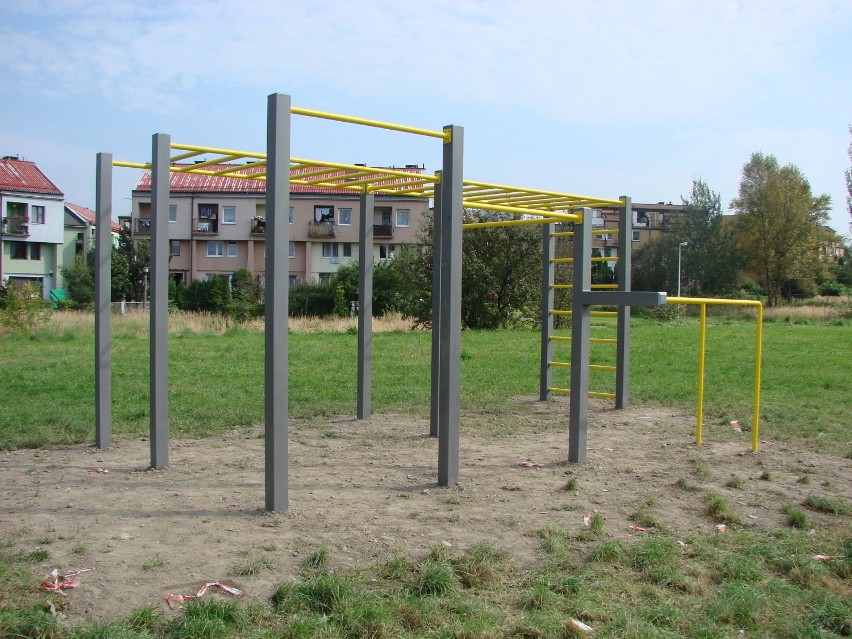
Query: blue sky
{"type": "Point", "coordinates": [600, 97]}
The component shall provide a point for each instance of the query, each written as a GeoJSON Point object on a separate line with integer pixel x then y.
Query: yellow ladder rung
{"type": "Point", "coordinates": [593, 367]}
{"type": "Point", "coordinates": [593, 340]}
{"type": "Point", "coordinates": [567, 391]}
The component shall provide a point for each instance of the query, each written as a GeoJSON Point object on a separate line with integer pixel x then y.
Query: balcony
{"type": "Point", "coordinates": [382, 230]}
{"type": "Point", "coordinates": [320, 229]}
{"type": "Point", "coordinates": [205, 227]}
{"type": "Point", "coordinates": [16, 225]}
{"type": "Point", "coordinates": [258, 226]}
{"type": "Point", "coordinates": [143, 226]}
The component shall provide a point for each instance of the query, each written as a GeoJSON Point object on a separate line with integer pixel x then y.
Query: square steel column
{"type": "Point", "coordinates": [548, 252]}
{"type": "Point", "coordinates": [623, 276]}
{"type": "Point", "coordinates": [159, 274]}
{"type": "Point", "coordinates": [436, 309]}
{"type": "Point", "coordinates": [449, 382]}
{"type": "Point", "coordinates": [365, 306]}
{"type": "Point", "coordinates": [103, 299]}
{"type": "Point", "coordinates": [580, 326]}
{"type": "Point", "coordinates": [277, 284]}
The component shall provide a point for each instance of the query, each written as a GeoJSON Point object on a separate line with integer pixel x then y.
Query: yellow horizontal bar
{"type": "Point", "coordinates": [562, 234]}
{"type": "Point", "coordinates": [711, 300]}
{"type": "Point", "coordinates": [593, 340]}
{"type": "Point", "coordinates": [593, 367]}
{"type": "Point", "coordinates": [485, 225]}
{"type": "Point", "coordinates": [562, 260]}
{"type": "Point", "coordinates": [582, 198]}
{"type": "Point", "coordinates": [594, 286]}
{"type": "Point", "coordinates": [603, 395]}
{"type": "Point", "coordinates": [592, 313]}
{"type": "Point", "coordinates": [248, 165]}
{"type": "Point", "coordinates": [441, 135]}
{"type": "Point", "coordinates": [205, 149]}
{"type": "Point", "coordinates": [566, 217]}
{"type": "Point", "coordinates": [604, 231]}
{"type": "Point", "coordinates": [567, 364]}
{"type": "Point", "coordinates": [220, 160]}
{"type": "Point", "coordinates": [131, 165]}
{"type": "Point", "coordinates": [567, 391]}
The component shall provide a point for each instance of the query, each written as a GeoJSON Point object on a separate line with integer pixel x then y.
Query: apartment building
{"type": "Point", "coordinates": [217, 225]}
{"type": "Point", "coordinates": [32, 227]}
{"type": "Point", "coordinates": [649, 222]}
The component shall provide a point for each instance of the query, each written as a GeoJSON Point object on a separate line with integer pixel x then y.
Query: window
{"type": "Point", "coordinates": [292, 214]}
{"type": "Point", "coordinates": [208, 211]}
{"type": "Point", "coordinates": [35, 251]}
{"type": "Point", "coordinates": [18, 250]}
{"type": "Point", "coordinates": [636, 236]}
{"type": "Point", "coordinates": [292, 250]}
{"type": "Point", "coordinates": [215, 249]}
{"type": "Point", "coordinates": [323, 214]}
{"type": "Point", "coordinates": [329, 249]}
{"type": "Point", "coordinates": [229, 215]}
{"type": "Point", "coordinates": [604, 236]}
{"type": "Point", "coordinates": [174, 247]}
{"type": "Point", "coordinates": [38, 214]}
{"type": "Point", "coordinates": [294, 279]}
{"type": "Point", "coordinates": [325, 278]}
{"type": "Point", "coordinates": [607, 252]}
{"type": "Point", "coordinates": [232, 249]}
{"type": "Point", "coordinates": [403, 217]}
{"type": "Point", "coordinates": [347, 249]}
{"type": "Point", "coordinates": [345, 218]}
{"type": "Point", "coordinates": [386, 251]}
{"type": "Point", "coordinates": [173, 214]}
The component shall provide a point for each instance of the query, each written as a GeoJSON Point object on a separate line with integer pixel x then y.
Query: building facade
{"type": "Point", "coordinates": [650, 221]}
{"type": "Point", "coordinates": [217, 226]}
{"type": "Point", "coordinates": [32, 230]}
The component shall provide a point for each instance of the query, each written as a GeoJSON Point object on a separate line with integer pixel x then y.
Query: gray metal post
{"type": "Point", "coordinates": [159, 274]}
{"type": "Point", "coordinates": [580, 325]}
{"type": "Point", "coordinates": [365, 306]}
{"type": "Point", "coordinates": [277, 283]}
{"type": "Point", "coordinates": [449, 390]}
{"type": "Point", "coordinates": [436, 310]}
{"type": "Point", "coordinates": [103, 299]}
{"type": "Point", "coordinates": [623, 266]}
{"type": "Point", "coordinates": [548, 252]}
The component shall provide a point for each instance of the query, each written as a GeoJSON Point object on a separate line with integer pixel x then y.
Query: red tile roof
{"type": "Point", "coordinates": [25, 177]}
{"type": "Point", "coordinates": [89, 215]}
{"type": "Point", "coordinates": [196, 183]}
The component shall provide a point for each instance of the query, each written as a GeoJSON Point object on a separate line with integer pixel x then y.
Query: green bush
{"type": "Point", "coordinates": [311, 300]}
{"type": "Point", "coordinates": [832, 289]}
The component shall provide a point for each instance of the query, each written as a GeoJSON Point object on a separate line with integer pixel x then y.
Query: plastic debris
{"type": "Point", "coordinates": [720, 528]}
{"type": "Point", "coordinates": [735, 425]}
{"type": "Point", "coordinates": [682, 544]}
{"type": "Point", "coordinates": [576, 624]}
{"type": "Point", "coordinates": [59, 583]}
{"type": "Point", "coordinates": [822, 557]}
{"type": "Point", "coordinates": [175, 601]}
{"type": "Point", "coordinates": [528, 464]}
{"type": "Point", "coordinates": [637, 529]}
{"type": "Point", "coordinates": [587, 520]}
{"type": "Point", "coordinates": [98, 469]}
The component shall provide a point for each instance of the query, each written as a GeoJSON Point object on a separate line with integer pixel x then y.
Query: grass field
{"type": "Point", "coordinates": [765, 583]}
{"type": "Point", "coordinates": [216, 378]}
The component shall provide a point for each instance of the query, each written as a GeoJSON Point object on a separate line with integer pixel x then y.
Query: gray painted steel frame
{"type": "Point", "coordinates": [622, 331]}
{"type": "Point", "coordinates": [449, 392]}
{"type": "Point", "coordinates": [103, 299]}
{"type": "Point", "coordinates": [277, 284]}
{"type": "Point", "coordinates": [436, 310]}
{"type": "Point", "coordinates": [365, 306]}
{"type": "Point", "coordinates": [548, 251]}
{"type": "Point", "coordinates": [159, 274]}
{"type": "Point", "coordinates": [580, 325]}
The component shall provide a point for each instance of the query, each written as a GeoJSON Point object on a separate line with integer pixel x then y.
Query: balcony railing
{"type": "Point", "coordinates": [382, 230]}
{"type": "Point", "coordinates": [19, 226]}
{"type": "Point", "coordinates": [205, 227]}
{"type": "Point", "coordinates": [320, 229]}
{"type": "Point", "coordinates": [258, 226]}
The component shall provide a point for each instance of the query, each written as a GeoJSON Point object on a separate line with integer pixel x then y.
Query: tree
{"type": "Point", "coordinates": [501, 274]}
{"type": "Point", "coordinates": [24, 308]}
{"type": "Point", "coordinates": [79, 281]}
{"type": "Point", "coordinates": [710, 259]}
{"type": "Point", "coordinates": [654, 266]}
{"type": "Point", "coordinates": [779, 225]}
{"type": "Point", "coordinates": [135, 258]}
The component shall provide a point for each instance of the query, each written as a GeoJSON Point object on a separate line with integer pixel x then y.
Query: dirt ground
{"type": "Point", "coordinates": [368, 490]}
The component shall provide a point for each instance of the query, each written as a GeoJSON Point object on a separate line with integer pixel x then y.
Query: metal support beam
{"type": "Point", "coordinates": [449, 390]}
{"type": "Point", "coordinates": [103, 299]}
{"type": "Point", "coordinates": [365, 306]}
{"type": "Point", "coordinates": [436, 310]}
{"type": "Point", "coordinates": [159, 277]}
{"type": "Point", "coordinates": [548, 251]}
{"type": "Point", "coordinates": [580, 325]}
{"type": "Point", "coordinates": [277, 284]}
{"type": "Point", "coordinates": [622, 331]}
{"type": "Point", "coordinates": [620, 298]}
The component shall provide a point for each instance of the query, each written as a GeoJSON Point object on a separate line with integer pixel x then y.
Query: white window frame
{"type": "Point", "coordinates": [35, 209]}
{"type": "Point", "coordinates": [344, 217]}
{"type": "Point", "coordinates": [347, 249]}
{"type": "Point", "coordinates": [225, 210]}
{"type": "Point", "coordinates": [635, 236]}
{"type": "Point", "coordinates": [292, 215]}
{"type": "Point", "coordinates": [172, 244]}
{"type": "Point", "coordinates": [172, 213]}
{"type": "Point", "coordinates": [232, 249]}
{"type": "Point", "coordinates": [218, 246]}
{"type": "Point", "coordinates": [330, 249]}
{"type": "Point", "coordinates": [399, 214]}
{"type": "Point", "coordinates": [292, 250]}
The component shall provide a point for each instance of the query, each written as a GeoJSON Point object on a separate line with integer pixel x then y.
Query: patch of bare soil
{"type": "Point", "coordinates": [368, 490]}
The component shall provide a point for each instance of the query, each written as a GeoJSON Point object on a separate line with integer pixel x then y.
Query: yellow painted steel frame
{"type": "Point", "coordinates": [758, 353]}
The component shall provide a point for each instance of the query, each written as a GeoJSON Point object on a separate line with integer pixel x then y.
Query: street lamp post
{"type": "Point", "coordinates": [679, 247]}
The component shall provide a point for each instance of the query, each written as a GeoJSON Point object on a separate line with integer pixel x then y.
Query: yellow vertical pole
{"type": "Point", "coordinates": [702, 336]}
{"type": "Point", "coordinates": [755, 428]}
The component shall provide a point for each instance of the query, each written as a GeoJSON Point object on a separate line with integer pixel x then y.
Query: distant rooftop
{"type": "Point", "coordinates": [24, 177]}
